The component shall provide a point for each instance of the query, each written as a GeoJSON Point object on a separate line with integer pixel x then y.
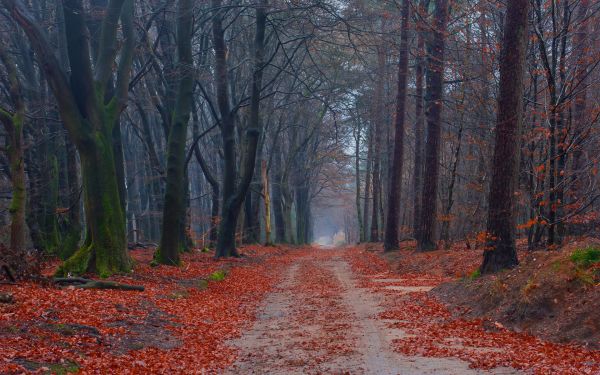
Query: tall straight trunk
{"type": "Point", "coordinates": [290, 236]}
{"type": "Point", "coordinates": [233, 191]}
{"type": "Point", "coordinates": [359, 217]}
{"type": "Point", "coordinates": [89, 115]}
{"type": "Point", "coordinates": [562, 126]}
{"type": "Point", "coordinates": [172, 242]}
{"type": "Point", "coordinates": [500, 252]}
{"type": "Point", "coordinates": [433, 105]}
{"type": "Point", "coordinates": [378, 118]}
{"type": "Point", "coordinates": [393, 205]}
{"type": "Point", "coordinates": [73, 234]}
{"type": "Point", "coordinates": [533, 185]}
{"type": "Point", "coordinates": [252, 208]}
{"type": "Point", "coordinates": [366, 206]}
{"type": "Point", "coordinates": [214, 186]}
{"type": "Point", "coordinates": [280, 235]}
{"type": "Point", "coordinates": [120, 164]}
{"type": "Point", "coordinates": [419, 123]}
{"type": "Point", "coordinates": [267, 200]}
{"type": "Point", "coordinates": [13, 124]}
{"type": "Point", "coordinates": [450, 198]}
{"type": "Point", "coordinates": [581, 98]}
{"type": "Point", "coordinates": [302, 214]}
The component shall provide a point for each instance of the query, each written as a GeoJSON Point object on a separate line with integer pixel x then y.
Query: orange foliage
{"type": "Point", "coordinates": [201, 320]}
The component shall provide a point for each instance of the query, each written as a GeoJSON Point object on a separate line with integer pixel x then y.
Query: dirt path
{"type": "Point", "coordinates": [320, 321]}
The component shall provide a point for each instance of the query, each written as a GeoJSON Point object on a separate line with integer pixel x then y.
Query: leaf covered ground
{"type": "Point", "coordinates": [180, 322]}
{"type": "Point", "coordinates": [434, 331]}
{"type": "Point", "coordinates": [279, 310]}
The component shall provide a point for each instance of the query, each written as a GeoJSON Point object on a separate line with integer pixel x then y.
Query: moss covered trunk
{"type": "Point", "coordinates": [105, 248]}
{"type": "Point", "coordinates": [72, 236]}
{"type": "Point", "coordinates": [17, 177]}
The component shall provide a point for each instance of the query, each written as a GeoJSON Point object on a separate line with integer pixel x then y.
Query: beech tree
{"type": "Point", "coordinates": [90, 111]}
{"type": "Point", "coordinates": [234, 192]}
{"type": "Point", "coordinates": [13, 122]}
{"type": "Point", "coordinates": [298, 133]}
{"type": "Point", "coordinates": [174, 208]}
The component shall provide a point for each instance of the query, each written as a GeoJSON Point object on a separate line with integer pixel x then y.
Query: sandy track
{"type": "Point", "coordinates": [319, 321]}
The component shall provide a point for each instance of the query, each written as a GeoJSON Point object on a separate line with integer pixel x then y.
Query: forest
{"type": "Point", "coordinates": [179, 177]}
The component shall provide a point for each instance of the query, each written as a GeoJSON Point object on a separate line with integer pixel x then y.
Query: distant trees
{"type": "Point", "coordinates": [298, 115]}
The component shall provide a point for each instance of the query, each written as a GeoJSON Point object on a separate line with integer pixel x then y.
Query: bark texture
{"type": "Point", "coordinates": [501, 251]}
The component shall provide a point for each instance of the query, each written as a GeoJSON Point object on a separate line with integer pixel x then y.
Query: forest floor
{"type": "Point", "coordinates": [278, 310]}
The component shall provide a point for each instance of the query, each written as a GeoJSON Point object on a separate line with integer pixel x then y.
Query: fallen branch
{"type": "Point", "coordinates": [141, 245]}
{"type": "Point", "coordinates": [79, 282]}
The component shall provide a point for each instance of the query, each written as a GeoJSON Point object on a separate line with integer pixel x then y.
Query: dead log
{"type": "Point", "coordinates": [82, 283]}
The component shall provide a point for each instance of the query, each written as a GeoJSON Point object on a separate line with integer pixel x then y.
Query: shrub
{"type": "Point", "coordinates": [586, 257]}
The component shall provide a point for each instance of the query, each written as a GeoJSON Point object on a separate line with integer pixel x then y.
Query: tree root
{"type": "Point", "coordinates": [79, 282]}
{"type": "Point", "coordinates": [8, 272]}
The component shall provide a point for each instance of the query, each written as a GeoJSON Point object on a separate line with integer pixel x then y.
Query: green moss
{"type": "Point", "coordinates": [63, 329]}
{"type": "Point", "coordinates": [178, 294]}
{"type": "Point", "coordinates": [77, 264]}
{"type": "Point", "coordinates": [217, 275]}
{"type": "Point", "coordinates": [202, 284]}
{"type": "Point", "coordinates": [586, 257]}
{"type": "Point", "coordinates": [474, 275]}
{"type": "Point", "coordinates": [160, 258]}
{"type": "Point", "coordinates": [67, 367]}
{"type": "Point", "coordinates": [64, 368]}
{"type": "Point", "coordinates": [557, 266]}
{"type": "Point", "coordinates": [70, 243]}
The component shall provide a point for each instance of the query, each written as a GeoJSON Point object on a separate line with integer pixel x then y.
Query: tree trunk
{"type": "Point", "coordinates": [13, 124]}
{"type": "Point", "coordinates": [267, 199]}
{"type": "Point", "coordinates": [233, 192]}
{"type": "Point", "coordinates": [500, 250]}
{"type": "Point", "coordinates": [103, 251]}
{"type": "Point", "coordinates": [378, 117]}
{"type": "Point", "coordinates": [215, 190]}
{"type": "Point", "coordinates": [172, 242]}
{"type": "Point", "coordinates": [90, 119]}
{"type": "Point", "coordinates": [361, 237]}
{"type": "Point", "coordinates": [72, 236]}
{"type": "Point", "coordinates": [366, 227]}
{"type": "Point", "coordinates": [393, 204]}
{"type": "Point", "coordinates": [280, 228]}
{"type": "Point", "coordinates": [433, 105]}
{"type": "Point", "coordinates": [419, 123]}
{"type": "Point", "coordinates": [450, 198]}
